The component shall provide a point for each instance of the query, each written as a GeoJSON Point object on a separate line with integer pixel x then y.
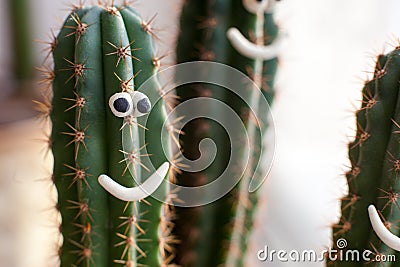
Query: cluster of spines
{"type": "Point", "coordinates": [374, 156]}
{"type": "Point", "coordinates": [77, 212]}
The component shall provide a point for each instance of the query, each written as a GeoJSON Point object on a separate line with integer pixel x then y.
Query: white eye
{"type": "Point", "coordinates": [257, 6]}
{"type": "Point", "coordinates": [121, 104]}
{"type": "Point", "coordinates": [141, 104]}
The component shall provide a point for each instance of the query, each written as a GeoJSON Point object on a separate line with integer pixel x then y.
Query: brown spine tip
{"type": "Point", "coordinates": [78, 71]}
{"type": "Point", "coordinates": [78, 30]}
{"type": "Point", "coordinates": [343, 227]}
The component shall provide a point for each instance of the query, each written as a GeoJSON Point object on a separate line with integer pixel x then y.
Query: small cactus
{"type": "Point", "coordinates": [374, 155]}
{"type": "Point", "coordinates": [102, 56]}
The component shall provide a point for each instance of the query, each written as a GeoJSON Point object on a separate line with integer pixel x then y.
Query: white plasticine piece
{"type": "Point", "coordinates": [382, 232]}
{"type": "Point", "coordinates": [255, 6]}
{"type": "Point", "coordinates": [135, 193]}
{"type": "Point", "coordinates": [251, 50]}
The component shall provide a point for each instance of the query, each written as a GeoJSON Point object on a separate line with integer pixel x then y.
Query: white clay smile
{"type": "Point", "coordinates": [247, 48]}
{"type": "Point", "coordinates": [135, 193]}
{"type": "Point", "coordinates": [381, 231]}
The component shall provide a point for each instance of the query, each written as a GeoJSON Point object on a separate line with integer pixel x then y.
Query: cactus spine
{"type": "Point", "coordinates": [217, 234]}
{"type": "Point", "coordinates": [100, 51]}
{"type": "Point", "coordinates": [374, 157]}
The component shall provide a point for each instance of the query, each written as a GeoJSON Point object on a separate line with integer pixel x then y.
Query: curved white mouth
{"type": "Point", "coordinates": [381, 231]}
{"type": "Point", "coordinates": [135, 193]}
{"type": "Point", "coordinates": [251, 50]}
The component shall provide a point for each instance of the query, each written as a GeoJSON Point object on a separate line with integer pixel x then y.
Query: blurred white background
{"type": "Point", "coordinates": [331, 44]}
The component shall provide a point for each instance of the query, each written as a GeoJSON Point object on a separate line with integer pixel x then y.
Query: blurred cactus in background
{"type": "Point", "coordinates": [217, 234]}
{"type": "Point", "coordinates": [375, 164]}
{"type": "Point", "coordinates": [22, 41]}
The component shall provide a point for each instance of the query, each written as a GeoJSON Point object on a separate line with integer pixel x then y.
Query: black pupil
{"type": "Point", "coordinates": [121, 105]}
{"type": "Point", "coordinates": [143, 106]}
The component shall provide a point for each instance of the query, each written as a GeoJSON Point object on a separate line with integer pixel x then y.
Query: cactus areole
{"type": "Point", "coordinates": [104, 127]}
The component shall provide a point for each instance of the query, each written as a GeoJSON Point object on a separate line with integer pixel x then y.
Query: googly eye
{"type": "Point", "coordinates": [141, 103]}
{"type": "Point", "coordinates": [257, 6]}
{"type": "Point", "coordinates": [121, 104]}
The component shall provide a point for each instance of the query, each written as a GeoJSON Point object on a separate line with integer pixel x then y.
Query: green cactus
{"type": "Point", "coordinates": [101, 51]}
{"type": "Point", "coordinates": [217, 234]}
{"type": "Point", "coordinates": [374, 157]}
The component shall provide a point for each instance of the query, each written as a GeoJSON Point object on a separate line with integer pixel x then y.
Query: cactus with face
{"type": "Point", "coordinates": [373, 178]}
{"type": "Point", "coordinates": [217, 234]}
{"type": "Point", "coordinates": [104, 126]}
